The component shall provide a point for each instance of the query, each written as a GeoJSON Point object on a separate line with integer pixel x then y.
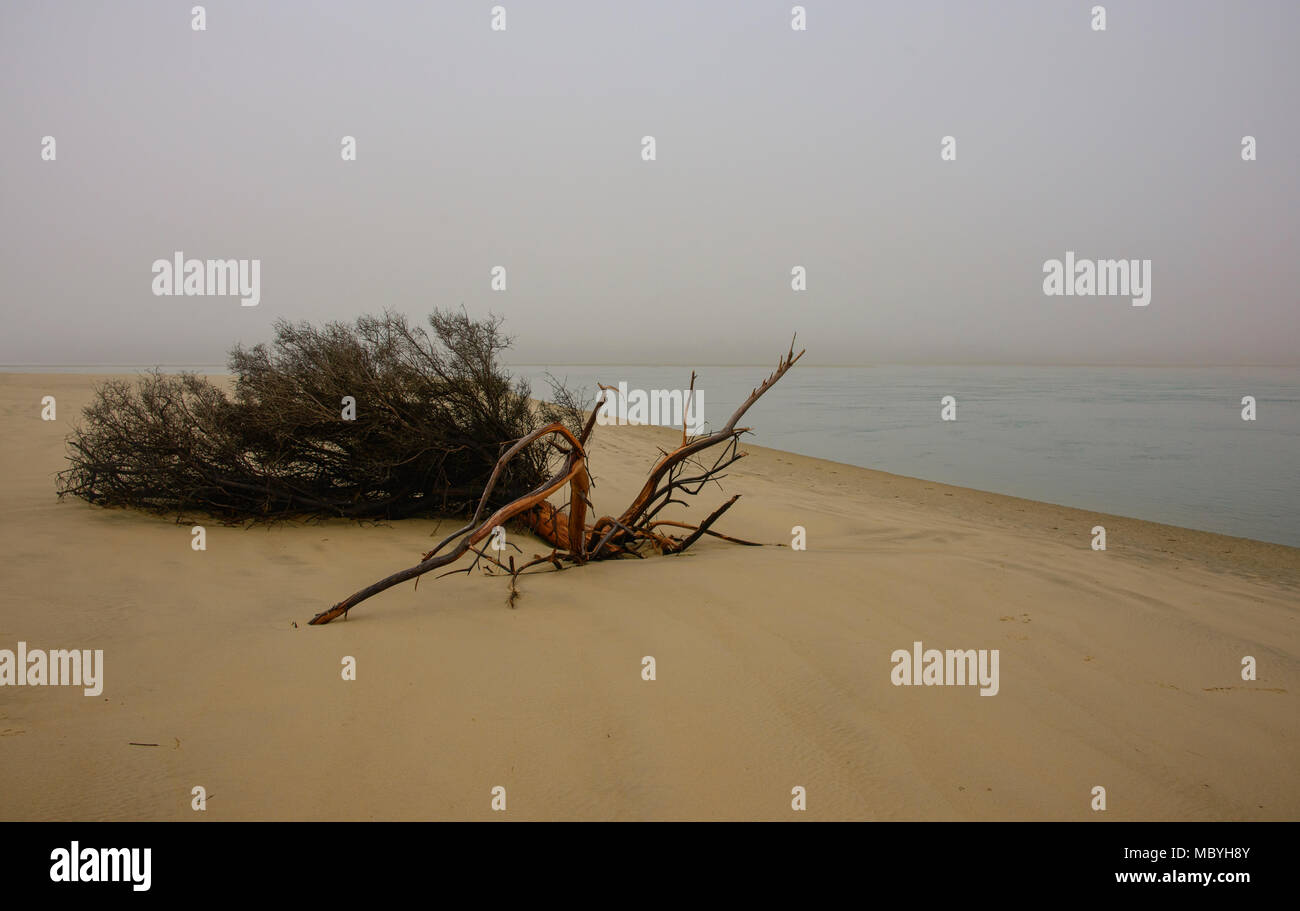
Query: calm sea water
{"type": "Point", "coordinates": [1161, 444]}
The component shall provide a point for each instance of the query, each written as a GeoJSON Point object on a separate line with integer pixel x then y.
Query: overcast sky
{"type": "Point", "coordinates": [775, 148]}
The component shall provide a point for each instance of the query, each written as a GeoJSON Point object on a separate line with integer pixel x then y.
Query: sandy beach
{"type": "Point", "coordinates": [1118, 669]}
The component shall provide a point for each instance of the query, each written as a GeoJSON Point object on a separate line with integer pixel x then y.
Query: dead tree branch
{"type": "Point", "coordinates": [608, 537]}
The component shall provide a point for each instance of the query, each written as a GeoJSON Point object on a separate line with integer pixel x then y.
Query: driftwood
{"type": "Point", "coordinates": [608, 537]}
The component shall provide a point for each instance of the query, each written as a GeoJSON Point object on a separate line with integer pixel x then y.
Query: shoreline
{"type": "Point", "coordinates": [1204, 543]}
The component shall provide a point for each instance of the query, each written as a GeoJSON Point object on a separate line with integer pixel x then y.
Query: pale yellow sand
{"type": "Point", "coordinates": [1118, 669]}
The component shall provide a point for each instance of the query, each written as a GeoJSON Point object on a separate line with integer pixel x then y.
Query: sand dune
{"type": "Point", "coordinates": [1119, 669]}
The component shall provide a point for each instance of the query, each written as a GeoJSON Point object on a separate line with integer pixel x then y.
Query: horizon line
{"type": "Point", "coordinates": [684, 365]}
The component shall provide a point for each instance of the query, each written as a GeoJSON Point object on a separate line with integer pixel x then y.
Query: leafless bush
{"type": "Point", "coordinates": [433, 412]}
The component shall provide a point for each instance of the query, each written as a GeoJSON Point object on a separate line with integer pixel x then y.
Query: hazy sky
{"type": "Point", "coordinates": [775, 148]}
